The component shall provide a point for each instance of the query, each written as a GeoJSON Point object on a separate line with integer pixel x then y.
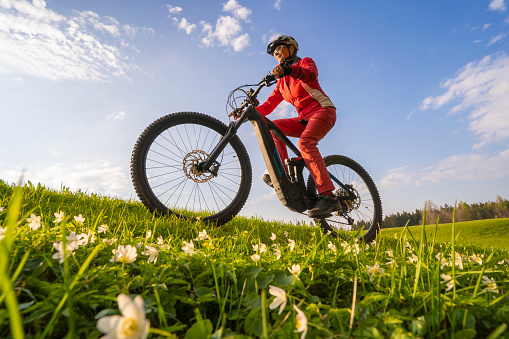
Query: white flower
{"type": "Point", "coordinates": [59, 217]}
{"type": "Point", "coordinates": [102, 229]}
{"type": "Point", "coordinates": [79, 219]}
{"type": "Point", "coordinates": [280, 298]}
{"type": "Point", "coordinates": [124, 254]}
{"type": "Point", "coordinates": [491, 284]}
{"type": "Point", "coordinates": [34, 222]}
{"type": "Point", "coordinates": [295, 270]}
{"type": "Point", "coordinates": [392, 263]}
{"type": "Point", "coordinates": [132, 324]}
{"type": "Point", "coordinates": [78, 240]}
{"type": "Point", "coordinates": [390, 253]}
{"type": "Point", "coordinates": [83, 239]}
{"type": "Point", "coordinates": [476, 259]}
{"type": "Point", "coordinates": [152, 253]}
{"type": "Point", "coordinates": [69, 250]}
{"type": "Point", "coordinates": [109, 241]}
{"type": "Point", "coordinates": [375, 270]}
{"type": "Point", "coordinates": [447, 279]}
{"type": "Point", "coordinates": [501, 262]}
{"type": "Point", "coordinates": [331, 246]}
{"type": "Point", "coordinates": [149, 234]}
{"type": "Point", "coordinates": [72, 239]}
{"type": "Point", "coordinates": [277, 253]}
{"type": "Point", "coordinates": [160, 240]}
{"type": "Point", "coordinates": [2, 209]}
{"type": "Point", "coordinates": [291, 244]}
{"type": "Point", "coordinates": [443, 261]}
{"type": "Point", "coordinates": [202, 235]}
{"type": "Point", "coordinates": [347, 248]}
{"type": "Point", "coordinates": [255, 257]}
{"type": "Point", "coordinates": [356, 249]}
{"type": "Point", "coordinates": [255, 248]}
{"type": "Point", "coordinates": [301, 322]}
{"type": "Point", "coordinates": [273, 236]}
{"type": "Point", "coordinates": [412, 259]}
{"type": "Point", "coordinates": [409, 247]}
{"type": "Point", "coordinates": [458, 261]}
{"type": "Point", "coordinates": [286, 233]}
{"type": "Point", "coordinates": [2, 232]}
{"type": "Point", "coordinates": [188, 248]}
{"type": "Point", "coordinates": [91, 236]}
{"type": "Point", "coordinates": [263, 248]}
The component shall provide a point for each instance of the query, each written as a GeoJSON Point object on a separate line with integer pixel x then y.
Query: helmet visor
{"type": "Point", "coordinates": [272, 47]}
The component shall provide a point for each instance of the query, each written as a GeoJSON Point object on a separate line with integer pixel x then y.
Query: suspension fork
{"type": "Point", "coordinates": [211, 162]}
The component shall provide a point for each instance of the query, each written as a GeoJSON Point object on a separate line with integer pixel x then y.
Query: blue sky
{"type": "Point", "coordinates": [422, 88]}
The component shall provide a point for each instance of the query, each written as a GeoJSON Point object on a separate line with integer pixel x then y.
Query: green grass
{"type": "Point", "coordinates": [492, 233]}
{"type": "Point", "coordinates": [394, 288]}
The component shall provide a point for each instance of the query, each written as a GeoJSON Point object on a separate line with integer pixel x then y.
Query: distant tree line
{"type": "Point", "coordinates": [444, 214]}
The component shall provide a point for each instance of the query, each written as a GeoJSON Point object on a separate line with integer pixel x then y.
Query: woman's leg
{"type": "Point", "coordinates": [318, 126]}
{"type": "Point", "coordinates": [290, 127]}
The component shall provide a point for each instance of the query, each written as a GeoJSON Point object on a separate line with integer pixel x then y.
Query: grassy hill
{"type": "Point", "coordinates": [70, 261]}
{"type": "Point", "coordinates": [489, 233]}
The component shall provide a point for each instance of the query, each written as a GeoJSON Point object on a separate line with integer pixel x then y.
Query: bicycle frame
{"type": "Point", "coordinates": [291, 194]}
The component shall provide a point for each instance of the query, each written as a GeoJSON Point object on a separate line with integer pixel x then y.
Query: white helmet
{"type": "Point", "coordinates": [282, 40]}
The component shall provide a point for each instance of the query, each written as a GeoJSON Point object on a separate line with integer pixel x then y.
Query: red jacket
{"type": "Point", "coordinates": [300, 88]}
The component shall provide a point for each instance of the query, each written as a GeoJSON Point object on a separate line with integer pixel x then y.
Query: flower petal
{"type": "Point", "coordinates": [127, 307]}
{"type": "Point", "coordinates": [108, 323]}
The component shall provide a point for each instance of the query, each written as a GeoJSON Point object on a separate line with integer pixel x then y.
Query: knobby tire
{"type": "Point", "coordinates": [163, 176]}
{"type": "Point", "coordinates": [349, 172]}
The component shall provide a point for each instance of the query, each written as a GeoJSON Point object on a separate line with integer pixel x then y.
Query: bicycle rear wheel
{"type": "Point", "coordinates": [165, 178]}
{"type": "Point", "coordinates": [366, 209]}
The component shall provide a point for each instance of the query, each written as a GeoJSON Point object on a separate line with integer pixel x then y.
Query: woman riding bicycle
{"type": "Point", "coordinates": [298, 84]}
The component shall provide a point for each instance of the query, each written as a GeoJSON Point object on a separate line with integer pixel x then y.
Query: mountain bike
{"type": "Point", "coordinates": [192, 165]}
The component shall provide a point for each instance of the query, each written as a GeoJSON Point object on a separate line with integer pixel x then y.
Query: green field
{"type": "Point", "coordinates": [76, 265]}
{"type": "Point", "coordinates": [492, 233]}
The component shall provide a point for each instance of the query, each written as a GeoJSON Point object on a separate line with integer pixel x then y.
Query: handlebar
{"type": "Point", "coordinates": [250, 95]}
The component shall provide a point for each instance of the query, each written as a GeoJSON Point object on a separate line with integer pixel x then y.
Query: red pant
{"type": "Point", "coordinates": [318, 126]}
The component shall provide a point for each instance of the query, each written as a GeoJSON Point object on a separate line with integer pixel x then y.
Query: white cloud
{"type": "Point", "coordinates": [174, 10]}
{"type": "Point", "coordinates": [227, 32]}
{"type": "Point", "coordinates": [464, 167]}
{"type": "Point", "coordinates": [186, 26]}
{"type": "Point", "coordinates": [40, 42]}
{"type": "Point", "coordinates": [240, 42]}
{"type": "Point", "coordinates": [482, 88]}
{"type": "Point", "coordinates": [277, 4]}
{"type": "Point", "coordinates": [238, 11]}
{"type": "Point", "coordinates": [497, 38]}
{"type": "Point", "coordinates": [227, 28]}
{"type": "Point", "coordinates": [93, 175]}
{"type": "Point", "coordinates": [497, 5]}
{"type": "Point", "coordinates": [116, 116]}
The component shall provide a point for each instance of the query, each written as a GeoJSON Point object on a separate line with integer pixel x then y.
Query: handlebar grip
{"type": "Point", "coordinates": [269, 77]}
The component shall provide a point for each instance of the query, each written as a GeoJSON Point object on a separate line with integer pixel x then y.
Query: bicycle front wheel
{"type": "Point", "coordinates": [164, 175]}
{"type": "Point", "coordinates": [365, 211]}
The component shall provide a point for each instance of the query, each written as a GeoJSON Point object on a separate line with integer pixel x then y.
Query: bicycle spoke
{"type": "Point", "coordinates": [171, 175]}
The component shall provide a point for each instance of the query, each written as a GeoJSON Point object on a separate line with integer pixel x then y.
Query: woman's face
{"type": "Point", "coordinates": [282, 52]}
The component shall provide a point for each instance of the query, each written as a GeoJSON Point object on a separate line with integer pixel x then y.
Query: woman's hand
{"type": "Point", "coordinates": [281, 70]}
{"type": "Point", "coordinates": [235, 114]}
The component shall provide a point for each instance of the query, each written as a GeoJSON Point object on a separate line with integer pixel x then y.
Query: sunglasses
{"type": "Point", "coordinates": [279, 48]}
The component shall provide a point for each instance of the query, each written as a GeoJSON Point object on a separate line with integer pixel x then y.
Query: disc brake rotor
{"type": "Point", "coordinates": [190, 161]}
{"type": "Point", "coordinates": [351, 204]}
